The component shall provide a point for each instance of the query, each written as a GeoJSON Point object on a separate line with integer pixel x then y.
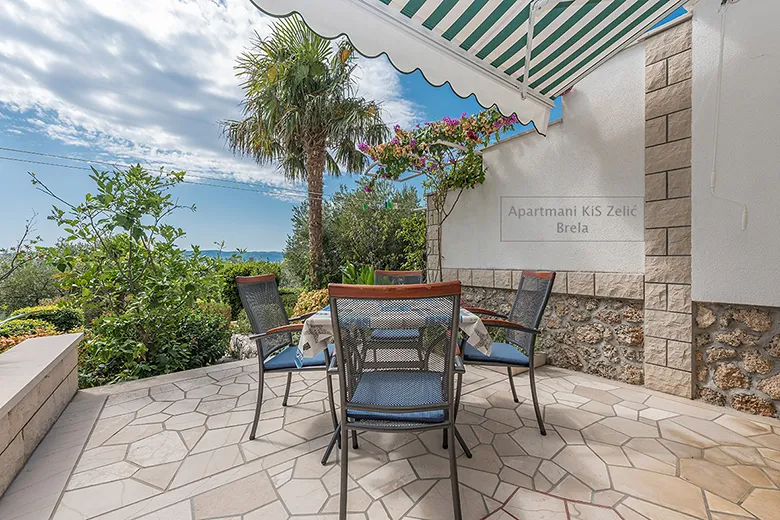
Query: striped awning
{"type": "Point", "coordinates": [487, 47]}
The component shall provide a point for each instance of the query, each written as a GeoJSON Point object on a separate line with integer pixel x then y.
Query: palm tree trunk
{"type": "Point", "coordinates": [315, 166]}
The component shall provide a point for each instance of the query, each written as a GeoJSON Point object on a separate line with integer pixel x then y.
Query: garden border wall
{"type": "Point", "coordinates": [38, 378]}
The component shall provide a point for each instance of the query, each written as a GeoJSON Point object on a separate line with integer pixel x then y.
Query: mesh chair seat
{"type": "Point", "coordinates": [285, 360]}
{"type": "Point", "coordinates": [397, 334]}
{"type": "Point", "coordinates": [395, 388]}
{"type": "Point", "coordinates": [499, 353]}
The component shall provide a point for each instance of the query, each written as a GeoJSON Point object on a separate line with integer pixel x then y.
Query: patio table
{"type": "Point", "coordinates": [318, 329]}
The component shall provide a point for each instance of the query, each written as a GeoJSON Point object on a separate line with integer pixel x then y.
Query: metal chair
{"type": "Point", "coordinates": [521, 328]}
{"type": "Point", "coordinates": [394, 394]}
{"type": "Point", "coordinates": [397, 277]}
{"type": "Point", "coordinates": [386, 336]}
{"type": "Point", "coordinates": [276, 351]}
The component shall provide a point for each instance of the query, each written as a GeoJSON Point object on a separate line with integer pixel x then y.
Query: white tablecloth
{"type": "Point", "coordinates": [318, 330]}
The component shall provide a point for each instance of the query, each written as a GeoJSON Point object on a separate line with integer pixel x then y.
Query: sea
{"type": "Point", "coordinates": [268, 256]}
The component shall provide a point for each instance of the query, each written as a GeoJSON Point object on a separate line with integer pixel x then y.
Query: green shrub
{"type": "Point", "coordinates": [357, 275]}
{"type": "Point", "coordinates": [231, 270]}
{"type": "Point", "coordinates": [205, 333]}
{"type": "Point", "coordinates": [63, 319]}
{"type": "Point", "coordinates": [289, 299]}
{"type": "Point", "coordinates": [311, 301]}
{"type": "Point", "coordinates": [358, 227]}
{"type": "Point", "coordinates": [26, 327]}
{"type": "Point", "coordinates": [138, 344]}
{"type": "Point", "coordinates": [241, 324]}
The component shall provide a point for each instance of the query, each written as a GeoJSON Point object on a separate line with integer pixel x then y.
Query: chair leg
{"type": "Point", "coordinates": [354, 440]}
{"type": "Point", "coordinates": [259, 404]}
{"type": "Point", "coordinates": [463, 445]}
{"type": "Point", "coordinates": [454, 477]}
{"type": "Point", "coordinates": [287, 389]}
{"type": "Point", "coordinates": [444, 443]}
{"type": "Point", "coordinates": [333, 441]}
{"type": "Point", "coordinates": [512, 384]}
{"type": "Point", "coordinates": [344, 473]}
{"type": "Point", "coordinates": [457, 396]}
{"type": "Point", "coordinates": [331, 401]}
{"type": "Point", "coordinates": [536, 401]}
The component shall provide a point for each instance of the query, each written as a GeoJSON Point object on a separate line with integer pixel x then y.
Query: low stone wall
{"type": "Point", "coordinates": [600, 336]}
{"type": "Point", "coordinates": [738, 357]}
{"type": "Point", "coordinates": [38, 378]}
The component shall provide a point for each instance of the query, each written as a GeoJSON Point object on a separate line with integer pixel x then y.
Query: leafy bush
{"type": "Point", "coordinates": [26, 327]}
{"type": "Point", "coordinates": [230, 271]}
{"type": "Point", "coordinates": [413, 234]}
{"type": "Point", "coordinates": [134, 345]}
{"type": "Point", "coordinates": [355, 275]}
{"type": "Point", "coordinates": [289, 299]}
{"type": "Point", "coordinates": [205, 333]}
{"type": "Point", "coordinates": [122, 264]}
{"type": "Point", "coordinates": [63, 319]}
{"type": "Point", "coordinates": [358, 227]}
{"type": "Point", "coordinates": [311, 301]}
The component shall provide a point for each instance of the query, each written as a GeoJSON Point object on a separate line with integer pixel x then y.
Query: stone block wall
{"type": "Point", "coordinates": [37, 380]}
{"type": "Point", "coordinates": [738, 357]}
{"type": "Point", "coordinates": [599, 335]}
{"type": "Point", "coordinates": [668, 310]}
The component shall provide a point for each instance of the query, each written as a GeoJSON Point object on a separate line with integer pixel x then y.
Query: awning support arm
{"type": "Point", "coordinates": [529, 44]}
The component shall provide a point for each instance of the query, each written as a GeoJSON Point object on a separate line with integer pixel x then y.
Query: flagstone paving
{"type": "Point", "coordinates": [177, 448]}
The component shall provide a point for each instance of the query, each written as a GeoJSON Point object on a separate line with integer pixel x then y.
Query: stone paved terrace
{"type": "Point", "coordinates": [175, 448]}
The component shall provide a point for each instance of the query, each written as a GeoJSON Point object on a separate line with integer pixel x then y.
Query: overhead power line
{"type": "Point", "coordinates": [266, 191]}
{"type": "Point", "coordinates": [259, 189]}
{"type": "Point", "coordinates": [116, 164]}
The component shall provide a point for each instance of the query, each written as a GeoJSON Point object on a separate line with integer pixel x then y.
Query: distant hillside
{"type": "Point", "coordinates": [270, 256]}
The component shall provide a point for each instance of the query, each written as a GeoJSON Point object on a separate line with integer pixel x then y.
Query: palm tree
{"type": "Point", "coordinates": [301, 111]}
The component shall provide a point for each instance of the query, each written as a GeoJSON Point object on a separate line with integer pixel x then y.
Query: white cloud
{"type": "Point", "coordinates": [145, 80]}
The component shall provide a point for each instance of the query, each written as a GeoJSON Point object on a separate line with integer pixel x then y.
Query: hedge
{"type": "Point", "coordinates": [232, 270]}
{"type": "Point", "coordinates": [63, 319]}
{"type": "Point", "coordinates": [26, 327]}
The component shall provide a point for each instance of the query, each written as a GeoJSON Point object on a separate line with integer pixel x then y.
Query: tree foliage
{"type": "Point", "coordinates": [301, 111]}
{"type": "Point", "coordinates": [143, 292]}
{"type": "Point", "coordinates": [360, 229]}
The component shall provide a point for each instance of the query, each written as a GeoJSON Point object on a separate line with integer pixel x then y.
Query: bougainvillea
{"type": "Point", "coordinates": [446, 152]}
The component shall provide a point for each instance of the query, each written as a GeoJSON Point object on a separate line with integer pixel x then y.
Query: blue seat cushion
{"type": "Point", "coordinates": [395, 334]}
{"type": "Point", "coordinates": [395, 388]}
{"type": "Point", "coordinates": [499, 353]}
{"type": "Point", "coordinates": [285, 359]}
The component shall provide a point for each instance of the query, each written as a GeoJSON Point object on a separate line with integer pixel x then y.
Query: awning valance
{"type": "Point", "coordinates": [481, 47]}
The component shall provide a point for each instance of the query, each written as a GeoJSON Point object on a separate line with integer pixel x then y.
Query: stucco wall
{"type": "Point", "coordinates": [731, 265]}
{"type": "Point", "coordinates": [596, 151]}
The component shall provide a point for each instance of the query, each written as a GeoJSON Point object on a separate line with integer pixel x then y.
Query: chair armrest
{"type": "Point", "coordinates": [480, 310]}
{"type": "Point", "coordinates": [302, 316]}
{"type": "Point", "coordinates": [276, 330]}
{"type": "Point", "coordinates": [490, 322]}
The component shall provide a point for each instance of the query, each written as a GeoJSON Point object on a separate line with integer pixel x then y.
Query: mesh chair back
{"type": "Point", "coordinates": [397, 277]}
{"type": "Point", "coordinates": [528, 309]}
{"type": "Point", "coordinates": [265, 310]}
{"type": "Point", "coordinates": [420, 374]}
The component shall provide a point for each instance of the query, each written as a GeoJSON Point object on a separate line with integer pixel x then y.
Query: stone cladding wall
{"type": "Point", "coordinates": [600, 336]}
{"type": "Point", "coordinates": [738, 357]}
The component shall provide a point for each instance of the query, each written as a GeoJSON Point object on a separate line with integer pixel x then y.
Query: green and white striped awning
{"type": "Point", "coordinates": [481, 47]}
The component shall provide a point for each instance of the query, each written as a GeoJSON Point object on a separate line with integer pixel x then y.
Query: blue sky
{"type": "Point", "coordinates": [146, 81]}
